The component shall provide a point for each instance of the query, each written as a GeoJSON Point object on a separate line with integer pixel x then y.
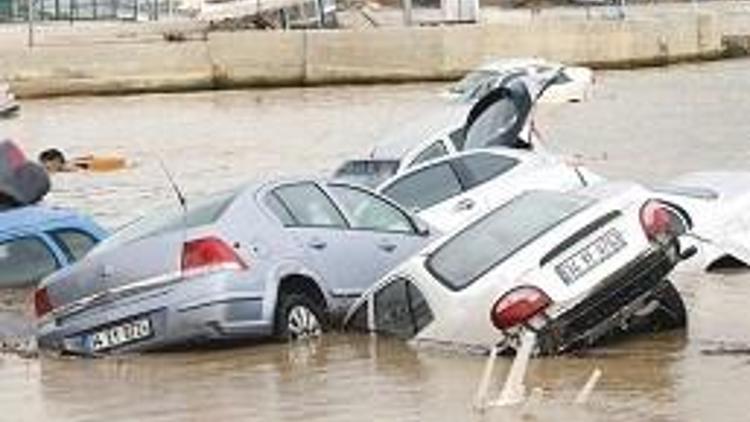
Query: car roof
{"type": "Point", "coordinates": [37, 216]}
{"type": "Point", "coordinates": [518, 154]}
{"type": "Point", "coordinates": [425, 129]}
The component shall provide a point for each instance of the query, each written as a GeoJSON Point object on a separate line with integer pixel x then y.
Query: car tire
{"type": "Point", "coordinates": [667, 313]}
{"type": "Point", "coordinates": [298, 317]}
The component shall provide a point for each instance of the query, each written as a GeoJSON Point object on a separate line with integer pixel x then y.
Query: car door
{"type": "Point", "coordinates": [436, 193]}
{"type": "Point", "coordinates": [342, 257]}
{"type": "Point", "coordinates": [488, 178]}
{"type": "Point", "coordinates": [391, 235]}
{"type": "Point", "coordinates": [397, 308]}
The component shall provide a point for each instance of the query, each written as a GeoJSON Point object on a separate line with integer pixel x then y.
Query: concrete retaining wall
{"type": "Point", "coordinates": [263, 58]}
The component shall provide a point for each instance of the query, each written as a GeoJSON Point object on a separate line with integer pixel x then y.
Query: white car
{"type": "Point", "coordinates": [570, 83]}
{"type": "Point", "coordinates": [575, 269]}
{"type": "Point", "coordinates": [718, 206]}
{"type": "Point", "coordinates": [449, 191]}
{"type": "Point", "coordinates": [8, 103]}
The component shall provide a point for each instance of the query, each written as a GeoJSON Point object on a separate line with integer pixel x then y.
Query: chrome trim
{"type": "Point", "coordinates": [83, 303]}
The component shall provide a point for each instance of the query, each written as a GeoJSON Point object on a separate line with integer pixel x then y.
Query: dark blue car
{"type": "Point", "coordinates": [36, 241]}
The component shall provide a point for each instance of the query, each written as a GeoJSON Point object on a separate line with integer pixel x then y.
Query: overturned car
{"type": "Point", "coordinates": [576, 269]}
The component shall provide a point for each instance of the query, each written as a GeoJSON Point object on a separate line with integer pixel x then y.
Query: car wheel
{"type": "Point", "coordinates": [298, 317]}
{"type": "Point", "coordinates": [665, 311]}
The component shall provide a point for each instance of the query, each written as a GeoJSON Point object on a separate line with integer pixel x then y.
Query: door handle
{"type": "Point", "coordinates": [388, 247]}
{"type": "Point", "coordinates": [464, 204]}
{"type": "Point", "coordinates": [317, 244]}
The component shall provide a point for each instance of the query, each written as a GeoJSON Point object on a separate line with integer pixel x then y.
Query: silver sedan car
{"type": "Point", "coordinates": [272, 259]}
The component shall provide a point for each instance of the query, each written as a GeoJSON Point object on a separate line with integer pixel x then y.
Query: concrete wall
{"type": "Point", "coordinates": [262, 58]}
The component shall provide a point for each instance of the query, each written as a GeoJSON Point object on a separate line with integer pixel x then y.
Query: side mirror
{"type": "Point", "coordinates": [688, 253]}
{"type": "Point", "coordinates": [421, 228]}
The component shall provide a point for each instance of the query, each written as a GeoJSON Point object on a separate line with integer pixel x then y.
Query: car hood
{"type": "Point", "coordinates": [499, 117]}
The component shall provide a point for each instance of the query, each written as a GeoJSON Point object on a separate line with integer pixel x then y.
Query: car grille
{"type": "Point", "coordinates": [580, 325]}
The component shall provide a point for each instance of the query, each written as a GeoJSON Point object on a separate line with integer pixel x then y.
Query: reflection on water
{"type": "Point", "coordinates": [649, 125]}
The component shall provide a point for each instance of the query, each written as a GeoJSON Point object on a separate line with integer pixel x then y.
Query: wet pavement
{"type": "Point", "coordinates": [648, 124]}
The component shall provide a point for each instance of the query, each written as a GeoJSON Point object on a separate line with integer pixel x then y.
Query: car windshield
{"type": "Point", "coordinates": [469, 82]}
{"type": "Point", "coordinates": [366, 172]}
{"type": "Point", "coordinates": [170, 218]}
{"type": "Point", "coordinates": [486, 243]}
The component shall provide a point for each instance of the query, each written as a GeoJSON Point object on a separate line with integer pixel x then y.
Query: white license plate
{"type": "Point", "coordinates": [590, 256]}
{"type": "Point", "coordinates": [121, 334]}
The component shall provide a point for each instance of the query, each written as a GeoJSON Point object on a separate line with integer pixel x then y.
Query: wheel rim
{"type": "Point", "coordinates": [303, 323]}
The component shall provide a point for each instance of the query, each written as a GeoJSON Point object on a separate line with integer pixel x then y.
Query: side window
{"type": "Point", "coordinates": [437, 149]}
{"type": "Point", "coordinates": [279, 209]}
{"type": "Point", "coordinates": [309, 206]}
{"type": "Point", "coordinates": [425, 188]}
{"type": "Point", "coordinates": [75, 243]}
{"type": "Point", "coordinates": [368, 212]}
{"type": "Point", "coordinates": [401, 310]}
{"type": "Point", "coordinates": [457, 137]}
{"type": "Point", "coordinates": [25, 260]}
{"type": "Point", "coordinates": [479, 168]}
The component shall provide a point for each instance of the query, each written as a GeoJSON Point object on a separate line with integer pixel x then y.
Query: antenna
{"type": "Point", "coordinates": [178, 193]}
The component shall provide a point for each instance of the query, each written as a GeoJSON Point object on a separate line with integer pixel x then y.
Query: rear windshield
{"type": "Point", "coordinates": [367, 172]}
{"type": "Point", "coordinates": [489, 241]}
{"type": "Point", "coordinates": [171, 218]}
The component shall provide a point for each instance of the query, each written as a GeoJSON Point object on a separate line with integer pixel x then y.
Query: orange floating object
{"type": "Point", "coordinates": [100, 163]}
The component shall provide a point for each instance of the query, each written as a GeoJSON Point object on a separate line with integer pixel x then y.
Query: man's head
{"type": "Point", "coordinates": [53, 160]}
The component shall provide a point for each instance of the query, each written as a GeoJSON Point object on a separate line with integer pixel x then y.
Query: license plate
{"type": "Point", "coordinates": [590, 256]}
{"type": "Point", "coordinates": [121, 334]}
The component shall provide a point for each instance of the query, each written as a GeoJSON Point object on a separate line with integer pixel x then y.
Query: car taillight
{"type": "Point", "coordinates": [42, 305]}
{"type": "Point", "coordinates": [518, 306]}
{"type": "Point", "coordinates": [209, 253]}
{"type": "Point", "coordinates": [656, 220]}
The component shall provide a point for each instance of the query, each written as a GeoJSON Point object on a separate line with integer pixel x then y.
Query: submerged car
{"type": "Point", "coordinates": [276, 258]}
{"type": "Point", "coordinates": [576, 269]}
{"type": "Point", "coordinates": [570, 83]}
{"type": "Point", "coordinates": [36, 241]}
{"type": "Point", "coordinates": [8, 103]}
{"type": "Point", "coordinates": [449, 191]}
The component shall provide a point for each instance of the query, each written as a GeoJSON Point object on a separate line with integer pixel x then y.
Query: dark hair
{"type": "Point", "coordinates": [52, 154]}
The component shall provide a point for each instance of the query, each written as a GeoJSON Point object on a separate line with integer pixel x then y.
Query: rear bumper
{"type": "Point", "coordinates": [611, 306]}
{"type": "Point", "coordinates": [176, 316]}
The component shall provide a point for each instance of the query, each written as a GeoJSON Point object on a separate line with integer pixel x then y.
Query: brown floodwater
{"type": "Point", "coordinates": [647, 124]}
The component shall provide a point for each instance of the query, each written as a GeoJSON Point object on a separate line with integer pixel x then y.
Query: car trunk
{"type": "Point", "coordinates": [108, 269]}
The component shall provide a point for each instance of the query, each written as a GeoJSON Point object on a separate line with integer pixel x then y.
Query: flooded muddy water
{"type": "Point", "coordinates": [648, 124]}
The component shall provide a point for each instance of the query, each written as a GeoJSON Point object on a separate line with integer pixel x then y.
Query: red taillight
{"type": "Point", "coordinates": [655, 219]}
{"type": "Point", "coordinates": [518, 306]}
{"type": "Point", "coordinates": [210, 253]}
{"type": "Point", "coordinates": [42, 305]}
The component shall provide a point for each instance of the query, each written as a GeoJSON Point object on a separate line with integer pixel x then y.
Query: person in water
{"type": "Point", "coordinates": [54, 161]}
